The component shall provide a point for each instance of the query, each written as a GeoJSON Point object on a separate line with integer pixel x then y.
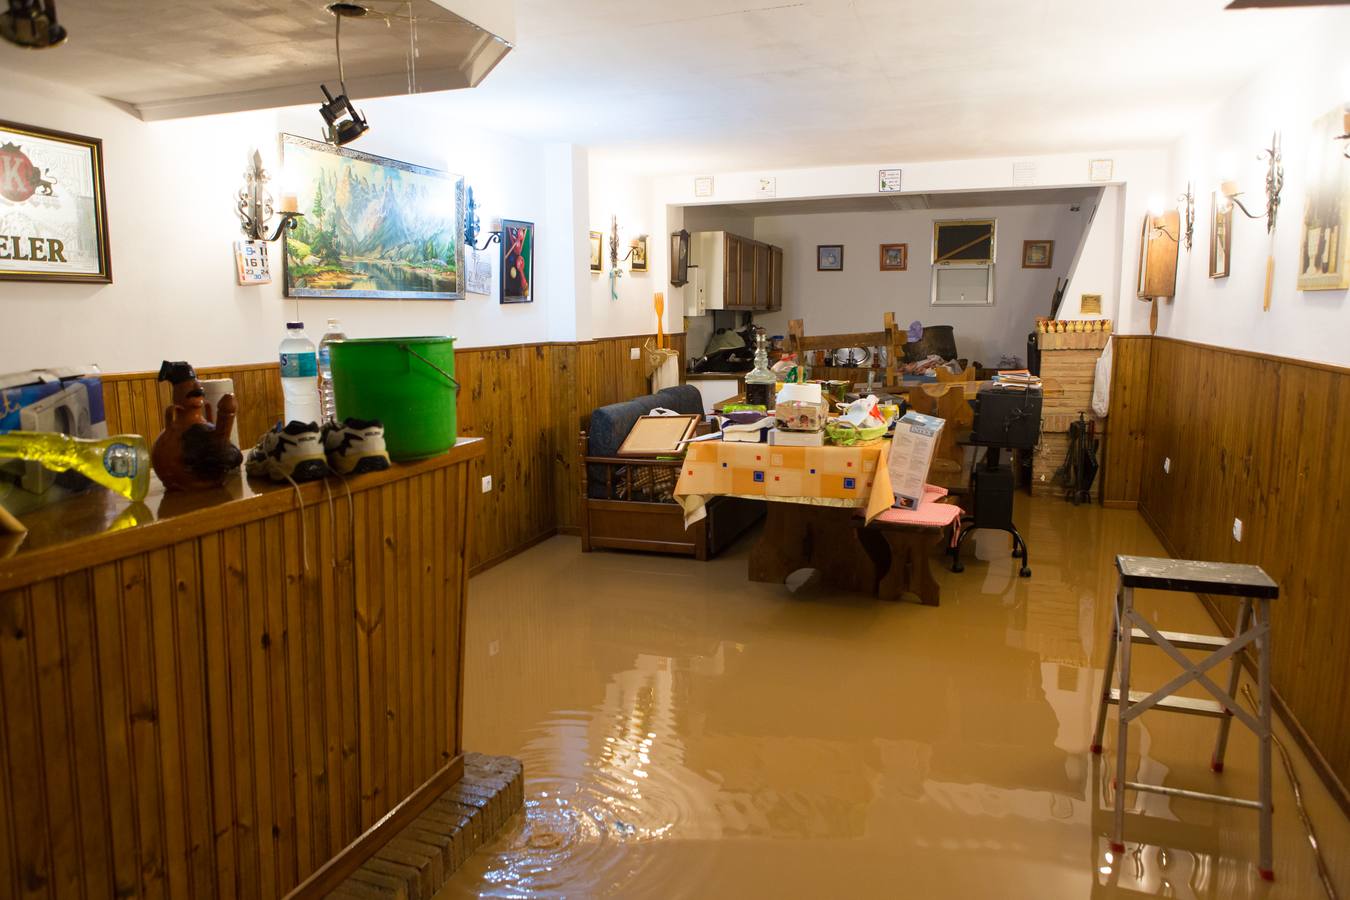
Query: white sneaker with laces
{"type": "Point", "coordinates": [355, 446]}
{"type": "Point", "coordinates": [293, 453]}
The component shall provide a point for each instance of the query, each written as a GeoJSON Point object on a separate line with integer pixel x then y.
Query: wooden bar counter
{"type": "Point", "coordinates": [214, 694]}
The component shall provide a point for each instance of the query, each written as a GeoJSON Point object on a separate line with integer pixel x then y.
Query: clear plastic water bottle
{"type": "Point", "coordinates": [299, 375]}
{"type": "Point", "coordinates": [327, 399]}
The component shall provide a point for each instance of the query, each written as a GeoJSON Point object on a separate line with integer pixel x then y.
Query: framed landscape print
{"type": "Point", "coordinates": [1324, 252]}
{"type": "Point", "coordinates": [829, 257]}
{"type": "Point", "coordinates": [1037, 254]}
{"type": "Point", "coordinates": [372, 227]}
{"type": "Point", "coordinates": [517, 261]}
{"type": "Point", "coordinates": [53, 211]}
{"type": "Point", "coordinates": [894, 257]}
{"type": "Point", "coordinates": [597, 251]}
{"type": "Point", "coordinates": [1220, 236]}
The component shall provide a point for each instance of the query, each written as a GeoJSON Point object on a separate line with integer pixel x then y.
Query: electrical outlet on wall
{"type": "Point", "coordinates": [1167, 465]}
{"type": "Point", "coordinates": [1237, 530]}
{"type": "Point", "coordinates": [635, 353]}
{"type": "Point", "coordinates": [487, 484]}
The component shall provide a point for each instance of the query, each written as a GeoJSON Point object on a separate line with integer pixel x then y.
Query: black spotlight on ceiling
{"type": "Point", "coordinates": [31, 23]}
{"type": "Point", "coordinates": [342, 130]}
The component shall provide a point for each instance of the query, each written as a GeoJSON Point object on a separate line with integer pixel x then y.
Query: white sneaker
{"type": "Point", "coordinates": [355, 446]}
{"type": "Point", "coordinates": [293, 453]}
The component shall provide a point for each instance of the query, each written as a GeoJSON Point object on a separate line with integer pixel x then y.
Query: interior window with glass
{"type": "Point", "coordinates": [963, 263]}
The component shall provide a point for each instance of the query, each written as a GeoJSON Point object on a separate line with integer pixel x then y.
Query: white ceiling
{"type": "Point", "coordinates": [718, 85]}
{"type": "Point", "coordinates": [170, 58]}
{"type": "Point", "coordinates": [894, 202]}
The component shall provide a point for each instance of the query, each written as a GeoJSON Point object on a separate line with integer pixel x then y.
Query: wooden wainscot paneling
{"type": "Point", "coordinates": [1123, 460]}
{"type": "Point", "coordinates": [217, 702]}
{"type": "Point", "coordinates": [1263, 439]}
{"type": "Point", "coordinates": [526, 401]}
{"type": "Point", "coordinates": [134, 402]}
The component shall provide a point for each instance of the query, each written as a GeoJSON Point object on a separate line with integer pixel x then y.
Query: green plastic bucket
{"type": "Point", "coordinates": [407, 383]}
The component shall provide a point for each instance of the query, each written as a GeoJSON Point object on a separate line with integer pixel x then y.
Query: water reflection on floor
{"type": "Point", "coordinates": [687, 733]}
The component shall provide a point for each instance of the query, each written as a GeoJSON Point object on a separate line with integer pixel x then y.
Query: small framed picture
{"type": "Point", "coordinates": [517, 262]}
{"type": "Point", "coordinates": [1037, 254]}
{"type": "Point", "coordinates": [894, 257]}
{"type": "Point", "coordinates": [829, 257]}
{"type": "Point", "coordinates": [637, 257]}
{"type": "Point", "coordinates": [597, 251]}
{"type": "Point", "coordinates": [679, 258]}
{"type": "Point", "coordinates": [1220, 236]}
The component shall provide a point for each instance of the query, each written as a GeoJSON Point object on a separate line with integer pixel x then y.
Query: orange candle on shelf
{"type": "Point", "coordinates": [289, 203]}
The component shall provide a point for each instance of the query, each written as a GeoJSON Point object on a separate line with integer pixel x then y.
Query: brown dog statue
{"type": "Point", "coordinates": [194, 451]}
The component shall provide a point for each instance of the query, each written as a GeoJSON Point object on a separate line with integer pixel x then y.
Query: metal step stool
{"type": "Point", "coordinates": [1256, 589]}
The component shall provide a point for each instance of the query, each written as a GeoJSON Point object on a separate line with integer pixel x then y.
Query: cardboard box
{"type": "Point", "coordinates": [68, 401]}
{"type": "Point", "coordinates": [912, 448]}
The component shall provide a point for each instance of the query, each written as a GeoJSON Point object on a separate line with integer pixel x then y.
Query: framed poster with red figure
{"type": "Point", "coordinates": [517, 261]}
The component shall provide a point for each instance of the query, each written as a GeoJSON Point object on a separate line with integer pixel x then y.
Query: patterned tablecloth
{"type": "Point", "coordinates": [823, 476]}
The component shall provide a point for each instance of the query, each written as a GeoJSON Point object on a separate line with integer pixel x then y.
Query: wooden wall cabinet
{"type": "Point", "coordinates": [733, 272]}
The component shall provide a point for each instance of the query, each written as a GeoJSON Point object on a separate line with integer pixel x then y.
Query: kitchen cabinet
{"type": "Point", "coordinates": [728, 271]}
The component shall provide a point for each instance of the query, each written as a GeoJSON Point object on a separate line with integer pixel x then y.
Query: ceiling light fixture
{"type": "Point", "coordinates": [1274, 185]}
{"type": "Point", "coordinates": [344, 123]}
{"type": "Point", "coordinates": [32, 24]}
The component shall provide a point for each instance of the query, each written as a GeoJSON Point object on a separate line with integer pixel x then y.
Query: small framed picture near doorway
{"type": "Point", "coordinates": [829, 257]}
{"type": "Point", "coordinates": [1220, 236]}
{"type": "Point", "coordinates": [894, 257]}
{"type": "Point", "coordinates": [517, 262]}
{"type": "Point", "coordinates": [1037, 254]}
{"type": "Point", "coordinates": [597, 251]}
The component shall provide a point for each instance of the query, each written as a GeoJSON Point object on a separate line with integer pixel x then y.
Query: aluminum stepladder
{"type": "Point", "coordinates": [1255, 590]}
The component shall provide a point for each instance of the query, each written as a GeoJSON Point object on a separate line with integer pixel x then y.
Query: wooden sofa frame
{"type": "Point", "coordinates": [616, 523]}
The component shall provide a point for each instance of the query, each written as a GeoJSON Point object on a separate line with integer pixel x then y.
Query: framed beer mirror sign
{"type": "Point", "coordinates": [53, 214]}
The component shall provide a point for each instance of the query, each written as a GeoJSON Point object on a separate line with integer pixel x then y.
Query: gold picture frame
{"type": "Point", "coordinates": [1038, 254]}
{"type": "Point", "coordinates": [1324, 241]}
{"type": "Point", "coordinates": [597, 251]}
{"type": "Point", "coordinates": [659, 435]}
{"type": "Point", "coordinates": [1220, 237]}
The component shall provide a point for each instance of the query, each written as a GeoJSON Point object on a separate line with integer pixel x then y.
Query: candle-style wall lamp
{"type": "Point", "coordinates": [1158, 220]}
{"type": "Point", "coordinates": [1274, 185]}
{"type": "Point", "coordinates": [255, 204]}
{"type": "Point", "coordinates": [1187, 202]}
{"type": "Point", "coordinates": [1345, 123]}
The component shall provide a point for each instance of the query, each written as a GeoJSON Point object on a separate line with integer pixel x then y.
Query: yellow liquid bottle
{"type": "Point", "coordinates": [120, 463]}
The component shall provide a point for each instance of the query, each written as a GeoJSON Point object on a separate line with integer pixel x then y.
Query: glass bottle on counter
{"type": "Point", "coordinates": [760, 382]}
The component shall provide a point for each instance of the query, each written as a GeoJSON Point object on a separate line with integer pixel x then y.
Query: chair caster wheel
{"type": "Point", "coordinates": [1025, 573]}
{"type": "Point", "coordinates": [1096, 748]}
{"type": "Point", "coordinates": [957, 567]}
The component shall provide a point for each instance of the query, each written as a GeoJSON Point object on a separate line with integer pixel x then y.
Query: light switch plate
{"type": "Point", "coordinates": [635, 353]}
{"type": "Point", "coordinates": [1237, 530]}
{"type": "Point", "coordinates": [1167, 465]}
{"type": "Point", "coordinates": [487, 484]}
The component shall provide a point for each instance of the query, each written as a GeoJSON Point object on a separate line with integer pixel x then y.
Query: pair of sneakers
{"type": "Point", "coordinates": [302, 451]}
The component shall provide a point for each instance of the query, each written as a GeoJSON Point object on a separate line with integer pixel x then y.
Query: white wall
{"type": "Point", "coordinates": [1302, 83]}
{"type": "Point", "coordinates": [616, 192]}
{"type": "Point", "coordinates": [171, 189]}
{"type": "Point", "coordinates": [856, 298]}
{"type": "Point", "coordinates": [1110, 255]}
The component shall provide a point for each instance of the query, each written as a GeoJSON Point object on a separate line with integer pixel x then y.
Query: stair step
{"type": "Point", "coordinates": [1182, 639]}
{"type": "Point", "coordinates": [1188, 705]}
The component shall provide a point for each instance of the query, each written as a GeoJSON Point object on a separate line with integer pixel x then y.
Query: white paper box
{"type": "Point", "coordinates": [912, 448]}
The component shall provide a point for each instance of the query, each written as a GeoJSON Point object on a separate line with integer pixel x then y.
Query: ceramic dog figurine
{"type": "Point", "coordinates": [194, 450]}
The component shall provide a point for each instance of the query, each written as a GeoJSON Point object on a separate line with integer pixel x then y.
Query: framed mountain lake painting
{"type": "Point", "coordinates": [371, 227]}
{"type": "Point", "coordinates": [53, 215]}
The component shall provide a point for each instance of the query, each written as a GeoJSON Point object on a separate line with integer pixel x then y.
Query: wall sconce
{"type": "Point", "coordinates": [494, 236]}
{"type": "Point", "coordinates": [1274, 185]}
{"type": "Point", "coordinates": [255, 204]}
{"type": "Point", "coordinates": [1158, 220]}
{"type": "Point", "coordinates": [1345, 137]}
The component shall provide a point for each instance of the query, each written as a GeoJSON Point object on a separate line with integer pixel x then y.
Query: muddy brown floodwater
{"type": "Point", "coordinates": [688, 733]}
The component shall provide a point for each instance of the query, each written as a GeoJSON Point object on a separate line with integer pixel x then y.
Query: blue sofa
{"type": "Point", "coordinates": [627, 504]}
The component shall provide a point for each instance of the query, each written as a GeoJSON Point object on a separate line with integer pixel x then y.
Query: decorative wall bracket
{"type": "Point", "coordinates": [1274, 185]}
{"type": "Point", "coordinates": [254, 205]}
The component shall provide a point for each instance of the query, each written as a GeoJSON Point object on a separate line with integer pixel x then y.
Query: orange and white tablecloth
{"type": "Point", "coordinates": [854, 476]}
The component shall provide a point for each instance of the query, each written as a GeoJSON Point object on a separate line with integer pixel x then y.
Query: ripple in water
{"type": "Point", "coordinates": [601, 786]}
